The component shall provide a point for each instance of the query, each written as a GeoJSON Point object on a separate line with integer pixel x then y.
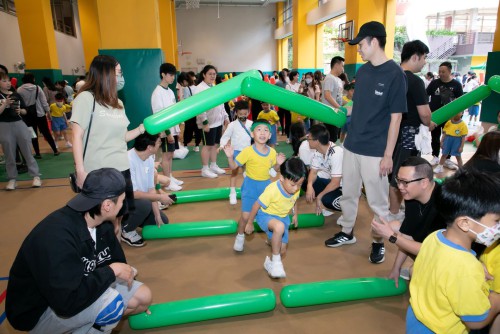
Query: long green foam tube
{"type": "Point", "coordinates": [205, 308]}
{"type": "Point", "coordinates": [305, 220]}
{"type": "Point", "coordinates": [191, 229]}
{"type": "Point", "coordinates": [202, 195]}
{"type": "Point", "coordinates": [316, 293]}
{"type": "Point", "coordinates": [286, 99]}
{"type": "Point", "coordinates": [197, 104]}
{"type": "Point", "coordinates": [494, 83]}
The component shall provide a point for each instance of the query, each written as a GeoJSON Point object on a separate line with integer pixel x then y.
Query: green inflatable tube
{"type": "Point", "coordinates": [494, 83]}
{"type": "Point", "coordinates": [298, 103]}
{"type": "Point", "coordinates": [197, 104]}
{"type": "Point", "coordinates": [202, 195]}
{"type": "Point", "coordinates": [305, 220]}
{"type": "Point", "coordinates": [446, 112]}
{"type": "Point", "coordinates": [205, 308]}
{"type": "Point", "coordinates": [191, 229]}
{"type": "Point", "coordinates": [326, 292]}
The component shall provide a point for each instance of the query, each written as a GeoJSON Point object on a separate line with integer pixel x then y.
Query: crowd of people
{"type": "Point", "coordinates": [388, 107]}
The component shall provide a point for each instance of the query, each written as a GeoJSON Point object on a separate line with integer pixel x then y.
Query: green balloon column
{"type": "Point", "coordinates": [305, 220]}
{"type": "Point", "coordinates": [201, 195]}
{"type": "Point", "coordinates": [191, 229]}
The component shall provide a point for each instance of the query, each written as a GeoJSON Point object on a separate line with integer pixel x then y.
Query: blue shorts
{"type": "Point", "coordinates": [263, 221]}
{"type": "Point", "coordinates": [58, 124]}
{"type": "Point", "coordinates": [235, 154]}
{"type": "Point", "coordinates": [274, 135]}
{"type": "Point", "coordinates": [250, 191]}
{"type": "Point", "coordinates": [473, 110]}
{"type": "Point", "coordinates": [451, 146]}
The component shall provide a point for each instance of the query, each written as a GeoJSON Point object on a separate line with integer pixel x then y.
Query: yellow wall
{"type": "Point", "coordinates": [304, 36]}
{"type": "Point", "coordinates": [478, 60]}
{"type": "Point", "coordinates": [89, 24]}
{"type": "Point", "coordinates": [496, 41]}
{"type": "Point", "coordinates": [168, 28]}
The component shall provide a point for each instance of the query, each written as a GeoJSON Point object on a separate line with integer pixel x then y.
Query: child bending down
{"type": "Point", "coordinates": [271, 212]}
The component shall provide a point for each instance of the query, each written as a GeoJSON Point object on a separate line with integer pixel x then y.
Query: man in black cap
{"type": "Point", "coordinates": [379, 101]}
{"type": "Point", "coordinates": [70, 274]}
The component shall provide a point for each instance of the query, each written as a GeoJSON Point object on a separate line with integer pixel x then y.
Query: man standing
{"type": "Point", "coordinates": [413, 58]}
{"type": "Point", "coordinates": [332, 90]}
{"type": "Point", "coordinates": [379, 101]}
{"type": "Point", "coordinates": [70, 274]}
{"type": "Point", "coordinates": [442, 91]}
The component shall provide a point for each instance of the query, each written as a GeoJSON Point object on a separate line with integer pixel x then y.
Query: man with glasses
{"type": "Point", "coordinates": [416, 184]}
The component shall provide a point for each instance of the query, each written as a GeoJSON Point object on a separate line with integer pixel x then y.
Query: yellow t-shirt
{"type": "Point", "coordinates": [276, 201]}
{"type": "Point", "coordinates": [271, 116]}
{"type": "Point", "coordinates": [257, 165]}
{"type": "Point", "coordinates": [455, 129]}
{"type": "Point", "coordinates": [491, 259]}
{"type": "Point", "coordinates": [56, 111]}
{"type": "Point", "coordinates": [448, 286]}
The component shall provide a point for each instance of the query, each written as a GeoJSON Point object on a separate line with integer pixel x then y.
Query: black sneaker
{"type": "Point", "coordinates": [377, 255]}
{"type": "Point", "coordinates": [340, 239]}
{"type": "Point", "coordinates": [132, 239]}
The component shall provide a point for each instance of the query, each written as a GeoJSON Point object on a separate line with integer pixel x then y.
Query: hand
{"type": "Point", "coordinates": [382, 229]}
{"type": "Point", "coordinates": [385, 166]}
{"type": "Point", "coordinates": [295, 220]}
{"type": "Point", "coordinates": [394, 275]}
{"type": "Point", "coordinates": [310, 195]}
{"type": "Point", "coordinates": [159, 221]}
{"type": "Point", "coordinates": [229, 151]}
{"type": "Point", "coordinates": [124, 272]}
{"type": "Point", "coordinates": [318, 206]}
{"type": "Point", "coordinates": [8, 102]}
{"type": "Point", "coordinates": [432, 126]}
{"type": "Point", "coordinates": [280, 158]}
{"type": "Point", "coordinates": [165, 199]}
{"type": "Point", "coordinates": [80, 178]}
{"type": "Point", "coordinates": [206, 128]}
{"type": "Point", "coordinates": [460, 149]}
{"type": "Point", "coordinates": [249, 228]}
{"type": "Point", "coordinates": [170, 139]}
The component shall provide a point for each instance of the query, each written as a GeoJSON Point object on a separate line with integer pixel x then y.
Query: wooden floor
{"type": "Point", "coordinates": [178, 269]}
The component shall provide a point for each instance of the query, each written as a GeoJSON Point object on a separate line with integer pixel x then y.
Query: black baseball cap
{"type": "Point", "coordinates": [99, 185]}
{"type": "Point", "coordinates": [372, 28]}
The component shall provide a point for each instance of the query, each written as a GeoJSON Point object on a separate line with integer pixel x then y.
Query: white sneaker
{"type": "Point", "coordinates": [232, 198]}
{"type": "Point", "coordinates": [326, 213]}
{"type": "Point", "coordinates": [173, 187]}
{"type": "Point", "coordinates": [405, 274]}
{"type": "Point", "coordinates": [11, 185]}
{"type": "Point", "coordinates": [239, 243]}
{"type": "Point", "coordinates": [68, 144]}
{"type": "Point", "coordinates": [217, 170]}
{"type": "Point", "coordinates": [208, 173]}
{"type": "Point", "coordinates": [274, 269]}
{"type": "Point", "coordinates": [434, 161]}
{"type": "Point", "coordinates": [37, 183]}
{"type": "Point", "coordinates": [196, 149]}
{"type": "Point", "coordinates": [438, 169]}
{"type": "Point", "coordinates": [450, 165]}
{"type": "Point", "coordinates": [162, 206]}
{"type": "Point", "coordinates": [176, 181]}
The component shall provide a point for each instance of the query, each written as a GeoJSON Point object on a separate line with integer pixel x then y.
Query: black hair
{"type": "Point", "coordinates": [59, 96]}
{"type": "Point", "coordinates": [297, 133]}
{"type": "Point", "coordinates": [4, 69]}
{"type": "Point", "coordinates": [468, 193]}
{"type": "Point", "coordinates": [183, 76]}
{"type": "Point", "coordinates": [286, 69]}
{"type": "Point", "coordinates": [411, 48]}
{"type": "Point", "coordinates": [293, 169]}
{"type": "Point", "coordinates": [336, 60]}
{"type": "Point", "coordinates": [282, 76]}
{"type": "Point", "coordinates": [240, 105]}
{"type": "Point", "coordinates": [292, 74]}
{"type": "Point", "coordinates": [320, 133]}
{"type": "Point", "coordinates": [382, 40]}
{"type": "Point", "coordinates": [488, 149]}
{"type": "Point", "coordinates": [48, 83]}
{"type": "Point", "coordinates": [144, 140]}
{"type": "Point", "coordinates": [260, 121]}
{"type": "Point", "coordinates": [430, 74]}
{"type": "Point", "coordinates": [349, 86]}
{"type": "Point", "coordinates": [446, 64]}
{"type": "Point", "coordinates": [204, 71]}
{"type": "Point", "coordinates": [167, 68]}
{"type": "Point", "coordinates": [96, 210]}
{"type": "Point", "coordinates": [218, 79]}
{"type": "Point", "coordinates": [422, 167]}
{"type": "Point", "coordinates": [28, 77]}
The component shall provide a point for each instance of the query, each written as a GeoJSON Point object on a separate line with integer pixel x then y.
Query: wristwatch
{"type": "Point", "coordinates": [393, 238]}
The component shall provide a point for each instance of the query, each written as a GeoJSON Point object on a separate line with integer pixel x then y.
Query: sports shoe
{"type": "Point", "coordinates": [11, 185]}
{"type": "Point", "coordinates": [217, 170]}
{"type": "Point", "coordinates": [438, 169]}
{"type": "Point", "coordinates": [205, 172]}
{"type": "Point", "coordinates": [450, 165]}
{"type": "Point", "coordinates": [434, 161]}
{"type": "Point", "coordinates": [176, 181]}
{"type": "Point", "coordinates": [340, 239]}
{"type": "Point", "coordinates": [162, 206]}
{"type": "Point", "coordinates": [132, 239]}
{"type": "Point", "coordinates": [377, 255]}
{"type": "Point", "coordinates": [68, 144]}
{"type": "Point", "coordinates": [326, 213]}
{"type": "Point", "coordinates": [405, 273]}
{"type": "Point", "coordinates": [239, 242]}
{"type": "Point", "coordinates": [56, 153]}
{"type": "Point", "coordinates": [173, 186]}
{"type": "Point", "coordinates": [274, 269]}
{"type": "Point", "coordinates": [196, 149]}
{"type": "Point", "coordinates": [38, 156]}
{"type": "Point", "coordinates": [37, 183]}
{"type": "Point", "coordinates": [232, 198]}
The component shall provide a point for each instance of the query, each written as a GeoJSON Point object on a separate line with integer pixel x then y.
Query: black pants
{"type": "Point", "coordinates": [330, 200]}
{"type": "Point", "coordinates": [141, 216]}
{"type": "Point", "coordinates": [288, 122]}
{"type": "Point", "coordinates": [436, 141]}
{"type": "Point", "coordinates": [42, 125]}
{"type": "Point", "coordinates": [281, 115]}
{"type": "Point", "coordinates": [191, 128]}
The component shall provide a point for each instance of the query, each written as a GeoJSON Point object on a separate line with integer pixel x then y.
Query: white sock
{"type": "Point", "coordinates": [276, 258]}
{"type": "Point", "coordinates": [205, 167]}
{"type": "Point", "coordinates": [240, 235]}
{"type": "Point", "coordinates": [232, 189]}
{"type": "Point", "coordinates": [213, 164]}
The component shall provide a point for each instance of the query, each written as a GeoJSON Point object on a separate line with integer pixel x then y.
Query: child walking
{"type": "Point", "coordinates": [58, 112]}
{"type": "Point", "coordinates": [271, 212]}
{"type": "Point", "coordinates": [452, 141]}
{"type": "Point", "coordinates": [238, 132]}
{"type": "Point", "coordinates": [261, 163]}
{"type": "Point", "coordinates": [272, 117]}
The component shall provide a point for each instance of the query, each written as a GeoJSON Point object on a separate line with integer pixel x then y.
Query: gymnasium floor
{"type": "Point", "coordinates": [178, 269]}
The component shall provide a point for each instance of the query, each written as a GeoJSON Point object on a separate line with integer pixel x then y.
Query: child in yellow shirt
{"type": "Point", "coordinates": [272, 117]}
{"type": "Point", "coordinates": [58, 112]}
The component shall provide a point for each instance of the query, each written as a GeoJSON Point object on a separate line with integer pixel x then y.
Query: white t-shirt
{"type": "Point", "coordinates": [141, 171]}
{"type": "Point", "coordinates": [238, 136]}
{"type": "Point", "coordinates": [335, 86]}
{"type": "Point", "coordinates": [293, 87]}
{"type": "Point", "coordinates": [306, 153]}
{"type": "Point", "coordinates": [161, 99]}
{"type": "Point", "coordinates": [329, 165]}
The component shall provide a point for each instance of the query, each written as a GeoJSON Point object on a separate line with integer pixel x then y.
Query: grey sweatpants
{"type": "Point", "coordinates": [13, 134]}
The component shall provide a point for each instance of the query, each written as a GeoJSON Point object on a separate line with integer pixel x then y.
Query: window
{"type": "Point", "coordinates": [288, 11]}
{"type": "Point", "coordinates": [63, 17]}
{"type": "Point", "coordinates": [8, 6]}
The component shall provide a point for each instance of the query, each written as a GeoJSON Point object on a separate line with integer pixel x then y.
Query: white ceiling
{"type": "Point", "coordinates": [238, 3]}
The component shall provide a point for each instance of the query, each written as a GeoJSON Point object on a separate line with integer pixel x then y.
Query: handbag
{"type": "Point", "coordinates": [72, 176]}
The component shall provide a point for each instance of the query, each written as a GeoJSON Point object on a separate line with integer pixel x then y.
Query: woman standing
{"type": "Point", "coordinates": [50, 90]}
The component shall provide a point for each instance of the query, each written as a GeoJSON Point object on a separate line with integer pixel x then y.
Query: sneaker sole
{"type": "Point", "coordinates": [350, 242]}
{"type": "Point", "coordinates": [132, 244]}
{"type": "Point", "coordinates": [376, 262]}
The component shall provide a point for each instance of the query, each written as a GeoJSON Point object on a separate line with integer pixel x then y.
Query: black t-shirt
{"type": "Point", "coordinates": [10, 114]}
{"type": "Point", "coordinates": [442, 93]}
{"type": "Point", "coordinates": [416, 96]}
{"type": "Point", "coordinates": [422, 219]}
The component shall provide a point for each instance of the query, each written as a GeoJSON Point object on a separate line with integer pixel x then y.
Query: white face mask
{"type": "Point", "coordinates": [308, 81]}
{"type": "Point", "coordinates": [120, 82]}
{"type": "Point", "coordinates": [488, 236]}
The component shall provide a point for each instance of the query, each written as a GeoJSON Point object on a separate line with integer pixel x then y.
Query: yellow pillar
{"type": "Point", "coordinates": [496, 40]}
{"type": "Point", "coordinates": [304, 36]}
{"type": "Point", "coordinates": [89, 25]}
{"type": "Point", "coordinates": [168, 28]}
{"type": "Point", "coordinates": [280, 50]}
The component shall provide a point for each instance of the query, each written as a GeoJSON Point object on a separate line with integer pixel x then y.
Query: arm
{"type": "Point", "coordinates": [442, 139]}
{"type": "Point", "coordinates": [313, 175]}
{"type": "Point", "coordinates": [134, 133]}
{"type": "Point", "coordinates": [230, 157]}
{"type": "Point", "coordinates": [493, 312]}
{"type": "Point", "coordinates": [81, 174]}
{"type": "Point", "coordinates": [396, 267]}
{"type": "Point", "coordinates": [156, 208]}
{"type": "Point", "coordinates": [392, 137]}
{"type": "Point", "coordinates": [424, 112]}
{"type": "Point", "coordinates": [43, 101]}
{"type": "Point", "coordinates": [5, 103]}
{"type": "Point", "coordinates": [334, 184]}
{"type": "Point", "coordinates": [227, 135]}
{"type": "Point", "coordinates": [330, 99]}
{"type": "Point", "coordinates": [153, 196]}
{"type": "Point", "coordinates": [249, 226]}
{"type": "Point", "coordinates": [461, 148]}
{"type": "Point", "coordinates": [295, 218]}
{"type": "Point", "coordinates": [386, 229]}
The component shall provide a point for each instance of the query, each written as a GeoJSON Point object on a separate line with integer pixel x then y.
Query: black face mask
{"type": "Point", "coordinates": [242, 119]}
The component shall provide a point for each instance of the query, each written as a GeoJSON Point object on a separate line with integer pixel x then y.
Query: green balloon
{"type": "Point", "coordinates": [191, 229]}
{"type": "Point", "coordinates": [439, 180]}
{"type": "Point", "coordinates": [305, 220]}
{"type": "Point", "coordinates": [197, 104]}
{"type": "Point", "coordinates": [446, 112]}
{"type": "Point", "coordinates": [316, 293]}
{"type": "Point", "coordinates": [286, 99]}
{"type": "Point", "coordinates": [494, 83]}
{"type": "Point", "coordinates": [202, 195]}
{"type": "Point", "coordinates": [205, 308]}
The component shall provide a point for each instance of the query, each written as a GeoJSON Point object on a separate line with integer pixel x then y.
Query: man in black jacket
{"type": "Point", "coordinates": [70, 274]}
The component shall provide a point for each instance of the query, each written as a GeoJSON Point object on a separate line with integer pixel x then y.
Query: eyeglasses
{"type": "Point", "coordinates": [405, 183]}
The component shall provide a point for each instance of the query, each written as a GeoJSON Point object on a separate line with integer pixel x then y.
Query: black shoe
{"type": "Point", "coordinates": [56, 153]}
{"type": "Point", "coordinates": [38, 156]}
{"type": "Point", "coordinates": [21, 169]}
{"type": "Point", "coordinates": [377, 255]}
{"type": "Point", "coordinates": [340, 239]}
